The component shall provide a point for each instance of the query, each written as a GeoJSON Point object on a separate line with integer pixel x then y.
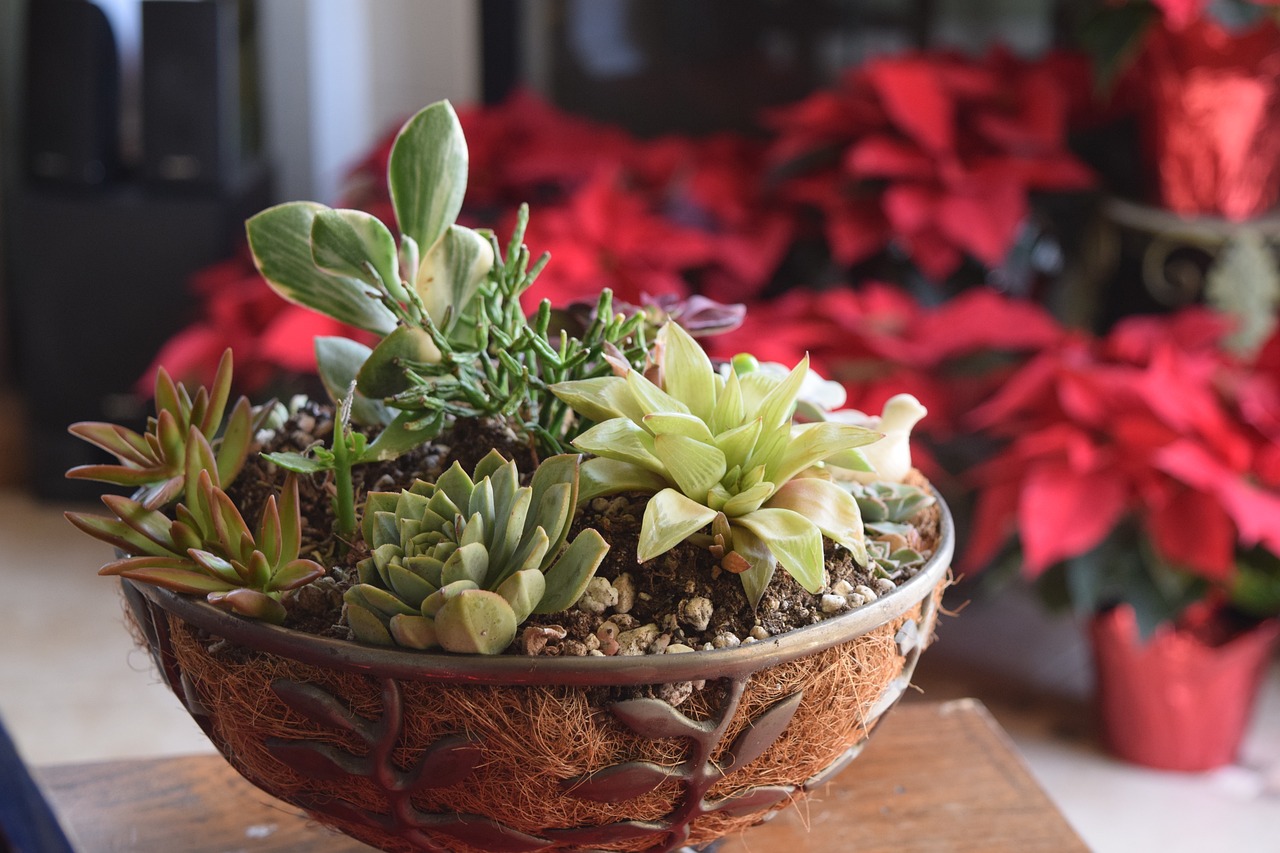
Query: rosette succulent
{"type": "Point", "coordinates": [462, 562]}
{"type": "Point", "coordinates": [893, 545]}
{"type": "Point", "coordinates": [154, 462]}
{"type": "Point", "coordinates": [205, 547]}
{"type": "Point", "coordinates": [724, 452]}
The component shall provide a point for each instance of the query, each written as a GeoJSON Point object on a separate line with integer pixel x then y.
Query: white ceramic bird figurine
{"type": "Point", "coordinates": [891, 455]}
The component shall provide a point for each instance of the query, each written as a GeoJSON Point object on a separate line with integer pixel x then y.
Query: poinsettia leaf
{"type": "Point", "coordinates": [669, 518]}
{"type": "Point", "coordinates": [1063, 512]}
{"type": "Point", "coordinates": [914, 96]}
{"type": "Point", "coordinates": [280, 238]}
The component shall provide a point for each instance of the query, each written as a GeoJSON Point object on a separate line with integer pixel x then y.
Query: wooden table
{"type": "Point", "coordinates": [935, 777]}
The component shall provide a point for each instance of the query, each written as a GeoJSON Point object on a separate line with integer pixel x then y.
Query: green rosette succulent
{"type": "Point", "coordinates": [720, 451]}
{"type": "Point", "coordinates": [206, 548]}
{"type": "Point", "coordinates": [155, 461]}
{"type": "Point", "coordinates": [886, 510]}
{"type": "Point", "coordinates": [460, 563]}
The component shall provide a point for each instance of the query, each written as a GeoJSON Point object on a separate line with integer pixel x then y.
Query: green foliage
{"type": "Point", "coordinates": [350, 448]}
{"type": "Point", "coordinates": [513, 362]}
{"type": "Point", "coordinates": [155, 461]}
{"type": "Point", "coordinates": [206, 547]}
{"type": "Point", "coordinates": [444, 300]}
{"type": "Point", "coordinates": [462, 562]}
{"type": "Point", "coordinates": [720, 451]}
{"type": "Point", "coordinates": [1256, 587]}
{"type": "Point", "coordinates": [1123, 569]}
{"type": "Point", "coordinates": [887, 509]}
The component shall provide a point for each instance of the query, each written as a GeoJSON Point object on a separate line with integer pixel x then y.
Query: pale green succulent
{"type": "Point", "coordinates": [461, 563]}
{"type": "Point", "coordinates": [886, 510]}
{"type": "Point", "coordinates": [720, 451]}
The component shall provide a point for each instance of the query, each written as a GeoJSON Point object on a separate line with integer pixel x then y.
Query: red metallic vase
{"type": "Point", "coordinates": [1181, 700]}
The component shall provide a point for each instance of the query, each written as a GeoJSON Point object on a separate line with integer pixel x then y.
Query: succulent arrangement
{"type": "Point", "coordinates": [727, 459]}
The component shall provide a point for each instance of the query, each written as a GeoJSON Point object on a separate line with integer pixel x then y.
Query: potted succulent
{"type": "Point", "coordinates": [514, 588]}
{"type": "Point", "coordinates": [1139, 471]}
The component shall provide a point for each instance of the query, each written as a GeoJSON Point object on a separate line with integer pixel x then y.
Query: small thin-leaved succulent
{"type": "Point", "coordinates": [206, 547]}
{"type": "Point", "coordinates": [154, 462]}
{"type": "Point", "coordinates": [723, 452]}
{"type": "Point", "coordinates": [462, 562]}
{"type": "Point", "coordinates": [893, 544]}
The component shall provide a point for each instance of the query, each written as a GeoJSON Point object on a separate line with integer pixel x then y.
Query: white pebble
{"type": "Point", "coordinates": [696, 612]}
{"type": "Point", "coordinates": [726, 640]}
{"type": "Point", "coordinates": [833, 603]}
{"type": "Point", "coordinates": [760, 632]}
{"type": "Point", "coordinates": [678, 648]}
{"type": "Point", "coordinates": [598, 597]}
{"type": "Point", "coordinates": [855, 599]}
{"type": "Point", "coordinates": [638, 640]}
{"type": "Point", "coordinates": [842, 587]}
{"type": "Point", "coordinates": [867, 593]}
{"type": "Point", "coordinates": [884, 585]}
{"type": "Point", "coordinates": [626, 589]}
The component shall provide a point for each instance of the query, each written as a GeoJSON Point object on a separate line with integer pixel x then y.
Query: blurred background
{"type": "Point", "coordinates": [1052, 222]}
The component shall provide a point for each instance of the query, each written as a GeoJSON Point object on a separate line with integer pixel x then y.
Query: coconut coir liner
{"type": "Point", "coordinates": [534, 737]}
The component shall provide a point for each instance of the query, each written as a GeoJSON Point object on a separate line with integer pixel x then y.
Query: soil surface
{"type": "Point", "coordinates": [679, 601]}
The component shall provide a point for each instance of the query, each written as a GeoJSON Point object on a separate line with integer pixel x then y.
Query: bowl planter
{"type": "Point", "coordinates": [412, 751]}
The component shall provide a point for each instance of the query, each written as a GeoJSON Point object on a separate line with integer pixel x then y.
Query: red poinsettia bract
{"type": "Point", "coordinates": [878, 341]}
{"type": "Point", "coordinates": [933, 153]}
{"type": "Point", "coordinates": [1154, 424]}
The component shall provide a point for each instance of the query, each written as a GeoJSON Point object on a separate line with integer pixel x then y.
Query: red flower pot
{"type": "Point", "coordinates": [1211, 105]}
{"type": "Point", "coordinates": [1181, 700]}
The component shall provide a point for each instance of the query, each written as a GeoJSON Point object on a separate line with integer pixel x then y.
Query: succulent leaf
{"type": "Point", "coordinates": [434, 544]}
{"type": "Point", "coordinates": [206, 547]}
{"type": "Point", "coordinates": [722, 445]}
{"type": "Point", "coordinates": [155, 462]}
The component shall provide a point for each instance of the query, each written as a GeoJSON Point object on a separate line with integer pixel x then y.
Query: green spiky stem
{"type": "Point", "coordinates": [344, 502]}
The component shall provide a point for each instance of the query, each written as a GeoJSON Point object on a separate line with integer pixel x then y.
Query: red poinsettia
{"type": "Point", "coordinates": [932, 153]}
{"type": "Point", "coordinates": [1156, 426]}
{"type": "Point", "coordinates": [878, 341]}
{"type": "Point", "coordinates": [269, 336]}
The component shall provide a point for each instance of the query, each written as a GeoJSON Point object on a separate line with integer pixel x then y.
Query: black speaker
{"type": "Point", "coordinates": [192, 134]}
{"type": "Point", "coordinates": [72, 104]}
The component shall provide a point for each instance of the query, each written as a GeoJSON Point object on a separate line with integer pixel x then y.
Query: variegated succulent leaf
{"type": "Point", "coordinates": [705, 444]}
{"type": "Point", "coordinates": [154, 461]}
{"type": "Point", "coordinates": [434, 544]}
